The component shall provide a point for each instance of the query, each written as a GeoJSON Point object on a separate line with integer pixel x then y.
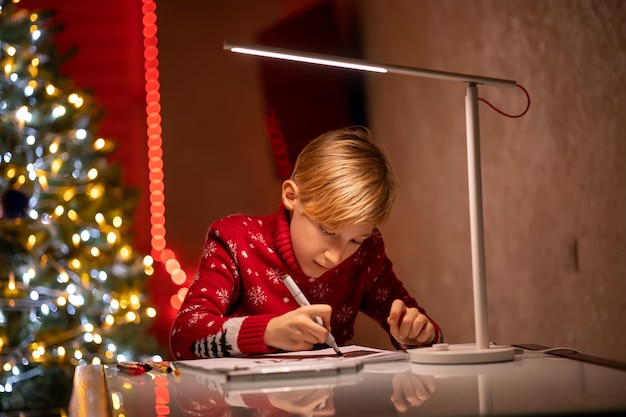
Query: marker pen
{"type": "Point", "coordinates": [132, 368]}
{"type": "Point", "coordinates": [302, 301]}
{"type": "Point", "coordinates": [164, 367]}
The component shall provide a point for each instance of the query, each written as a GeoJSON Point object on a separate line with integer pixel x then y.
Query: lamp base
{"type": "Point", "coordinates": [443, 354]}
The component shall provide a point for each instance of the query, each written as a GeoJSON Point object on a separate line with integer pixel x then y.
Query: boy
{"type": "Point", "coordinates": [325, 236]}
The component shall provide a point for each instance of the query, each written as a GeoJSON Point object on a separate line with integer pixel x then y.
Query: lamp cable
{"type": "Point", "coordinates": [507, 114]}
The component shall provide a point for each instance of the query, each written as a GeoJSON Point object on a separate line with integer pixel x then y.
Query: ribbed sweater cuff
{"type": "Point", "coordinates": [251, 334]}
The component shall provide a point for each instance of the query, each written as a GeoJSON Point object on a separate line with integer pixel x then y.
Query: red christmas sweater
{"type": "Point", "coordinates": [238, 288]}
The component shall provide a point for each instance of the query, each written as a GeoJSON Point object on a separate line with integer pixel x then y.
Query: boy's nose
{"type": "Point", "coordinates": [333, 256]}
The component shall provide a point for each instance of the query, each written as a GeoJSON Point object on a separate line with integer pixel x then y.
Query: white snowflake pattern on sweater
{"type": "Point", "coordinates": [232, 246]}
{"type": "Point", "coordinates": [258, 237]}
{"type": "Point", "coordinates": [320, 292]}
{"type": "Point", "coordinates": [223, 295]}
{"type": "Point", "coordinates": [196, 317]}
{"type": "Point", "coordinates": [344, 313]}
{"type": "Point", "coordinates": [256, 295]}
{"type": "Point", "coordinates": [382, 294]}
{"type": "Point", "coordinates": [359, 258]}
{"type": "Point", "coordinates": [274, 275]}
{"type": "Point", "coordinates": [209, 249]}
{"type": "Point", "coordinates": [190, 309]}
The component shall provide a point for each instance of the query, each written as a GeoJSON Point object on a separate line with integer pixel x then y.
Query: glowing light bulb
{"type": "Point", "coordinates": [125, 252]}
{"type": "Point", "coordinates": [11, 285]}
{"type": "Point", "coordinates": [92, 174]}
{"type": "Point", "coordinates": [54, 146]}
{"type": "Point", "coordinates": [63, 277]}
{"type": "Point", "coordinates": [23, 115]}
{"type": "Point", "coordinates": [99, 144]}
{"type": "Point", "coordinates": [76, 100]}
{"type": "Point", "coordinates": [68, 195]}
{"type": "Point", "coordinates": [117, 221]}
{"type": "Point", "coordinates": [43, 181]}
{"type": "Point", "coordinates": [56, 165]}
{"type": "Point", "coordinates": [58, 111]}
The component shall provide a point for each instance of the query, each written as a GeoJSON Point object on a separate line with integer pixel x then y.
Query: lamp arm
{"type": "Point", "coordinates": [361, 65]}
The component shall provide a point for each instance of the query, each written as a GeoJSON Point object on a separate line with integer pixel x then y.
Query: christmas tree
{"type": "Point", "coordinates": [72, 287]}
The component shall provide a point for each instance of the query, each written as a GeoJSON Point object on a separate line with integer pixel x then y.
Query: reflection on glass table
{"type": "Point", "coordinates": [534, 383]}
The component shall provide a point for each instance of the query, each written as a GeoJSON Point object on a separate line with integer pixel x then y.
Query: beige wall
{"type": "Point", "coordinates": [553, 181]}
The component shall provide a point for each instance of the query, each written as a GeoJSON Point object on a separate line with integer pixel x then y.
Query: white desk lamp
{"type": "Point", "coordinates": [482, 351]}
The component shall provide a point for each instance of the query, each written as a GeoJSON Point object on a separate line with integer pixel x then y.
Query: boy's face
{"type": "Point", "coordinates": [317, 248]}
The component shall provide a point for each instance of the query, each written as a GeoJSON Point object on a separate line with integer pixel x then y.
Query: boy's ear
{"type": "Point", "coordinates": [289, 194]}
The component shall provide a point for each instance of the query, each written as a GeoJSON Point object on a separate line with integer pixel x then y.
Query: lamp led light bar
{"type": "Point", "coordinates": [310, 59]}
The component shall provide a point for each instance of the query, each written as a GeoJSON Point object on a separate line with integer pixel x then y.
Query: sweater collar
{"type": "Point", "coordinates": [282, 238]}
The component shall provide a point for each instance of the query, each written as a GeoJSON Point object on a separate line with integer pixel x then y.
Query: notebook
{"type": "Point", "coordinates": [314, 363]}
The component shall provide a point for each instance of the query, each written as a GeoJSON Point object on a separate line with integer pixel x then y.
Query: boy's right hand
{"type": "Point", "coordinates": [297, 329]}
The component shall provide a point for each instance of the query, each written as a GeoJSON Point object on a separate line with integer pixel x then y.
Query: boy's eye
{"type": "Point", "coordinates": [326, 232]}
{"type": "Point", "coordinates": [356, 242]}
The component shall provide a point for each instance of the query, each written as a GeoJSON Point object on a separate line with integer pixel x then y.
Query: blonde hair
{"type": "Point", "coordinates": [343, 178]}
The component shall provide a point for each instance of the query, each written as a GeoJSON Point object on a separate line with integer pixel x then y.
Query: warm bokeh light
{"type": "Point", "coordinates": [155, 152]}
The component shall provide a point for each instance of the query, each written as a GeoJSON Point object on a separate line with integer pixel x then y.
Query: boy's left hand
{"type": "Point", "coordinates": [408, 326]}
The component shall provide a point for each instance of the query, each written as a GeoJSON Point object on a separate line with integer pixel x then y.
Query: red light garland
{"type": "Point", "coordinates": [155, 155]}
